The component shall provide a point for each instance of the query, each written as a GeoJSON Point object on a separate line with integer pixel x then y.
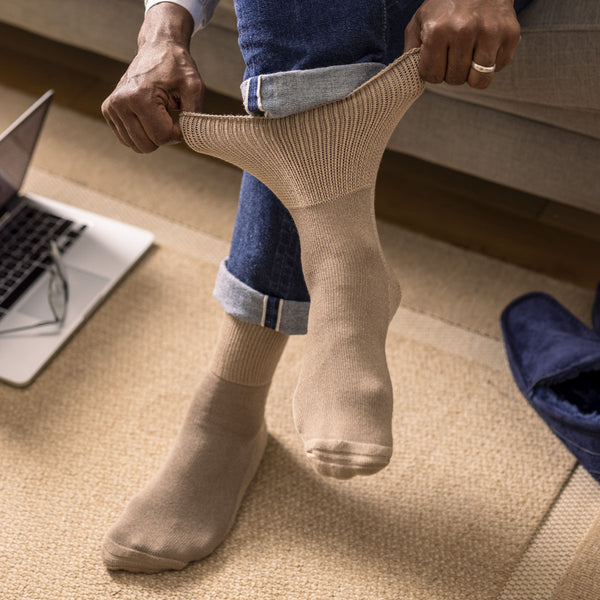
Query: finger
{"type": "Point", "coordinates": [108, 117]}
{"type": "Point", "coordinates": [508, 47]}
{"type": "Point", "coordinates": [460, 54]}
{"type": "Point", "coordinates": [484, 54]}
{"type": "Point", "coordinates": [157, 126]}
{"type": "Point", "coordinates": [192, 95]}
{"type": "Point", "coordinates": [120, 130]}
{"type": "Point", "coordinates": [192, 100]}
{"type": "Point", "coordinates": [139, 138]}
{"type": "Point", "coordinates": [115, 130]}
{"type": "Point", "coordinates": [119, 125]}
{"type": "Point", "coordinates": [434, 53]}
{"type": "Point", "coordinates": [433, 58]}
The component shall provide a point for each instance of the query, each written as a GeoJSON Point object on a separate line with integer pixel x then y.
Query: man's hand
{"type": "Point", "coordinates": [452, 33]}
{"type": "Point", "coordinates": [162, 77]}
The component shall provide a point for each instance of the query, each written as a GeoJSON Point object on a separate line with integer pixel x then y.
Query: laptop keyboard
{"type": "Point", "coordinates": [25, 250]}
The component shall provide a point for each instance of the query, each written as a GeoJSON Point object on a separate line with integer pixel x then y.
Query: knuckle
{"type": "Point", "coordinates": [134, 99]}
{"type": "Point", "coordinates": [492, 31]}
{"type": "Point", "coordinates": [511, 34]}
{"type": "Point", "coordinates": [117, 103]}
{"type": "Point", "coordinates": [514, 37]}
{"type": "Point", "coordinates": [194, 89]}
{"type": "Point", "coordinates": [431, 31]}
{"type": "Point", "coordinates": [108, 104]}
{"type": "Point", "coordinates": [193, 84]}
{"type": "Point", "coordinates": [463, 28]}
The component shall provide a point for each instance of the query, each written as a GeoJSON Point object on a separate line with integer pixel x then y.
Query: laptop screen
{"type": "Point", "coordinates": [17, 144]}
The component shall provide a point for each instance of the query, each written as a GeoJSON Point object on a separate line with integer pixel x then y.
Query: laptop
{"type": "Point", "coordinates": [41, 241]}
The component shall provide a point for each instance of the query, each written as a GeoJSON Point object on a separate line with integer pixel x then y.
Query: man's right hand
{"type": "Point", "coordinates": [163, 76]}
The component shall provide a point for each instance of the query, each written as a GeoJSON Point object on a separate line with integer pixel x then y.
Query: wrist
{"type": "Point", "coordinates": [166, 22]}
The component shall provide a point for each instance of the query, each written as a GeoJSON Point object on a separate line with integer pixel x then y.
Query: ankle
{"type": "Point", "coordinates": [247, 354]}
{"type": "Point", "coordinates": [229, 407]}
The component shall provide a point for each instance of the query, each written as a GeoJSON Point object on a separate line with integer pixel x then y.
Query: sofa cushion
{"type": "Point", "coordinates": [554, 77]}
{"type": "Point", "coordinates": [225, 16]}
{"type": "Point", "coordinates": [513, 151]}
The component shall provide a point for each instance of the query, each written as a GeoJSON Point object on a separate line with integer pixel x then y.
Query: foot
{"type": "Point", "coordinates": [187, 510]}
{"type": "Point", "coordinates": [343, 401]}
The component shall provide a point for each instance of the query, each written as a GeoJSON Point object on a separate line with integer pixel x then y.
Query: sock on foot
{"type": "Point", "coordinates": [322, 164]}
{"type": "Point", "coordinates": [188, 508]}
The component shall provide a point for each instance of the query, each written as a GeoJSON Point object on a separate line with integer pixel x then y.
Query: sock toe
{"type": "Point", "coordinates": [117, 557]}
{"type": "Point", "coordinates": [340, 459]}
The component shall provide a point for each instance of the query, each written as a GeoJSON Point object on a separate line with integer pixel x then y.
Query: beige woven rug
{"type": "Point", "coordinates": [480, 500]}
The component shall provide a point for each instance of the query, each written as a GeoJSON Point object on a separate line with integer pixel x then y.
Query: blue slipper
{"type": "Point", "coordinates": [596, 311]}
{"type": "Point", "coordinates": [555, 360]}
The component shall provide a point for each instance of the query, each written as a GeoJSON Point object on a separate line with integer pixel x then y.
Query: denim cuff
{"type": "Point", "coordinates": [280, 94]}
{"type": "Point", "coordinates": [246, 304]}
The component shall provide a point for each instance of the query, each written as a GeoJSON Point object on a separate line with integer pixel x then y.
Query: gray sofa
{"type": "Point", "coordinates": [535, 129]}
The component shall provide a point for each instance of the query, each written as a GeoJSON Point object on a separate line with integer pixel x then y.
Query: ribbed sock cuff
{"type": "Point", "coordinates": [245, 353]}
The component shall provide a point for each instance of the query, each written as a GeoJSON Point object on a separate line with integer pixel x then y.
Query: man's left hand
{"type": "Point", "coordinates": [452, 33]}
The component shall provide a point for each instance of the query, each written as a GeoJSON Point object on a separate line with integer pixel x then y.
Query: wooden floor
{"type": "Point", "coordinates": [519, 228]}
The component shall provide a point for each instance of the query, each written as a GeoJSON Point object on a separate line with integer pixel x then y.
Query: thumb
{"type": "Point", "coordinates": [412, 34]}
{"type": "Point", "coordinates": [191, 100]}
{"type": "Point", "coordinates": [192, 96]}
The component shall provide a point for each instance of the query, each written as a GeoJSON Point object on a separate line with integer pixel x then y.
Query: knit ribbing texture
{"type": "Point", "coordinates": [246, 353]}
{"type": "Point", "coordinates": [322, 164]}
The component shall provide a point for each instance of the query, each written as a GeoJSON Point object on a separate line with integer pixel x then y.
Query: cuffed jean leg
{"type": "Point", "coordinates": [330, 69]}
{"type": "Point", "coordinates": [298, 53]}
{"type": "Point", "coordinates": [261, 282]}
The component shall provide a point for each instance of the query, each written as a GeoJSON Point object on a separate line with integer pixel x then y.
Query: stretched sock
{"type": "Point", "coordinates": [322, 164]}
{"type": "Point", "coordinates": [188, 508]}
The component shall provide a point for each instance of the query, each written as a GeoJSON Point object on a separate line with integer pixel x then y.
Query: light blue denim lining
{"type": "Point", "coordinates": [280, 94]}
{"type": "Point", "coordinates": [246, 304]}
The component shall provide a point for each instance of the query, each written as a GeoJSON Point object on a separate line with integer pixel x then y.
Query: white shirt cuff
{"type": "Point", "coordinates": [201, 10]}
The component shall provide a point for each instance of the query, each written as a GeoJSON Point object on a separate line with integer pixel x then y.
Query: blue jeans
{"type": "Point", "coordinates": [298, 53]}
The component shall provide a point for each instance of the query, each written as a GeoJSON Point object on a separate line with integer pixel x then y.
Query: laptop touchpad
{"type": "Point", "coordinates": [84, 288]}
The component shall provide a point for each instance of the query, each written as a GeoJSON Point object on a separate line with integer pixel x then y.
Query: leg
{"type": "Point", "coordinates": [347, 430]}
{"type": "Point", "coordinates": [274, 86]}
{"type": "Point", "coordinates": [261, 282]}
{"type": "Point", "coordinates": [188, 508]}
{"type": "Point", "coordinates": [322, 164]}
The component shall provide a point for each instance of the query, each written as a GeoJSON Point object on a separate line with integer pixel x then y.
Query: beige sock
{"type": "Point", "coordinates": [322, 164]}
{"type": "Point", "coordinates": [188, 508]}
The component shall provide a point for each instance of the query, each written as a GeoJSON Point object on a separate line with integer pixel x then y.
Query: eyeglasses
{"type": "Point", "coordinates": [58, 293]}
